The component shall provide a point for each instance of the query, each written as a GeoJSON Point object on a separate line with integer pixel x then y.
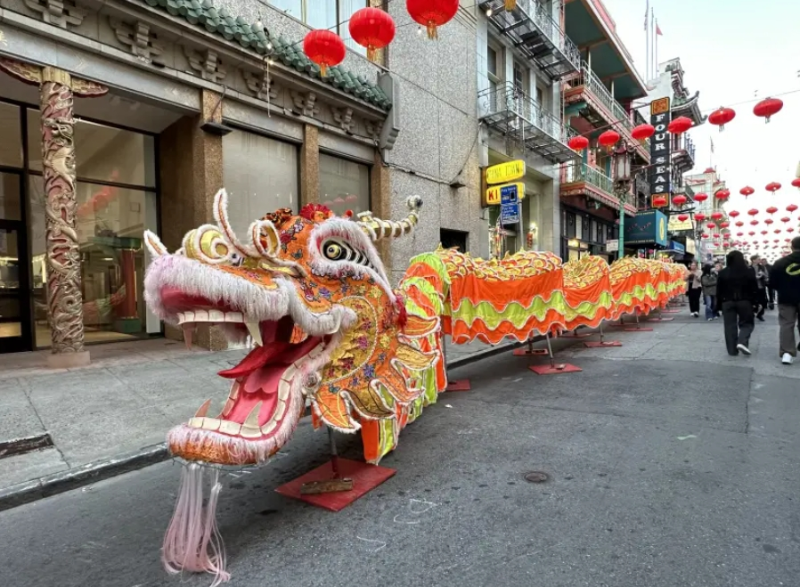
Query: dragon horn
{"type": "Point", "coordinates": [377, 228]}
{"type": "Point", "coordinates": [154, 245]}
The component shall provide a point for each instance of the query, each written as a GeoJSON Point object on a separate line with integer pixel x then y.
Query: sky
{"type": "Point", "coordinates": [735, 53]}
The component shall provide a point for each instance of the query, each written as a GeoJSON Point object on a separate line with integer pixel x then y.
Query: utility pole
{"type": "Point", "coordinates": [622, 186]}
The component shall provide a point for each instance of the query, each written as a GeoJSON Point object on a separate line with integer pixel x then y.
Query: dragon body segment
{"type": "Point", "coordinates": [328, 330]}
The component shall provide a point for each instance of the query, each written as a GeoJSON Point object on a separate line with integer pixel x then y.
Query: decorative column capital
{"type": "Point", "coordinates": [33, 74]}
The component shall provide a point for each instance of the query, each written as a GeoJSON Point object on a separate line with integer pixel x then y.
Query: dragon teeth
{"type": "Point", "coordinates": [255, 333]}
{"type": "Point", "coordinates": [210, 316]}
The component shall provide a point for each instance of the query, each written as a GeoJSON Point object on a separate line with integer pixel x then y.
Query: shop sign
{"type": "Point", "coordinates": [612, 246]}
{"type": "Point", "coordinates": [691, 246]}
{"type": "Point", "coordinates": [509, 205]}
{"type": "Point", "coordinates": [677, 247]}
{"type": "Point", "coordinates": [660, 170]}
{"type": "Point", "coordinates": [505, 172]}
{"type": "Point", "coordinates": [676, 225]}
{"type": "Point", "coordinates": [492, 195]}
{"type": "Point", "coordinates": [648, 227]}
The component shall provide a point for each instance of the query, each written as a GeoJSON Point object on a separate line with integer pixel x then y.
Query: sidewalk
{"type": "Point", "coordinates": [82, 425]}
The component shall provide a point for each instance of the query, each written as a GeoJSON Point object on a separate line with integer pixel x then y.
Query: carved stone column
{"type": "Point", "coordinates": [64, 296]}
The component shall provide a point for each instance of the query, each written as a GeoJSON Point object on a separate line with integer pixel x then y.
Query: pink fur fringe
{"type": "Point", "coordinates": [193, 542]}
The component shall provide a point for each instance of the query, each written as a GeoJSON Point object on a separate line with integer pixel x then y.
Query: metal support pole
{"type": "Point", "coordinates": [550, 351]}
{"type": "Point", "coordinates": [334, 453]}
{"type": "Point", "coordinates": [602, 334]}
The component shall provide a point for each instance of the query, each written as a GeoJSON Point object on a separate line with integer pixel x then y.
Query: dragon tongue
{"type": "Point", "coordinates": [256, 359]}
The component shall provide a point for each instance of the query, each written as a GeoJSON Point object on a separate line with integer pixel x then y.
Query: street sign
{"type": "Point", "coordinates": [504, 172]}
{"type": "Point", "coordinates": [492, 195]}
{"type": "Point", "coordinates": [612, 246]}
{"type": "Point", "coordinates": [509, 205]}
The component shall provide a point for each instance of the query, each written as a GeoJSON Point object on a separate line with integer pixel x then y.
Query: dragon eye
{"type": "Point", "coordinates": [334, 251]}
{"type": "Point", "coordinates": [338, 250]}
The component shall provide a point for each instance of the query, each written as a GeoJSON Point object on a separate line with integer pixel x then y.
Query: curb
{"type": "Point", "coordinates": [30, 491]}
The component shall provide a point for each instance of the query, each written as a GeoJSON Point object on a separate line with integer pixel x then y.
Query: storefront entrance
{"type": "Point", "coordinates": [15, 323]}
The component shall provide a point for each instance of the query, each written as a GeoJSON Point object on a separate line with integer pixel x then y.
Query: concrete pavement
{"type": "Point", "coordinates": [111, 417]}
{"type": "Point", "coordinates": [670, 465]}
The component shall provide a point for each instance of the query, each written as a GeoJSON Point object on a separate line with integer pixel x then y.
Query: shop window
{"type": "Point", "coordinates": [110, 224]}
{"type": "Point", "coordinates": [260, 174]}
{"type": "Point", "coordinates": [102, 153]}
{"type": "Point", "coordinates": [570, 225]}
{"type": "Point", "coordinates": [11, 133]}
{"type": "Point", "coordinates": [343, 184]}
{"type": "Point", "coordinates": [325, 14]}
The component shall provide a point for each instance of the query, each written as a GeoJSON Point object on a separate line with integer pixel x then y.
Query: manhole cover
{"type": "Point", "coordinates": [536, 477]}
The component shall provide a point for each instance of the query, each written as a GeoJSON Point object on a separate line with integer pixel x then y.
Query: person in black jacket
{"type": "Point", "coordinates": [737, 293]}
{"type": "Point", "coordinates": [785, 279]}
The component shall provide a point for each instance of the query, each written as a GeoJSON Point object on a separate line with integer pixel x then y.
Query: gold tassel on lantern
{"type": "Point", "coordinates": [432, 31]}
{"type": "Point", "coordinates": [510, 5]}
{"type": "Point", "coordinates": [323, 70]}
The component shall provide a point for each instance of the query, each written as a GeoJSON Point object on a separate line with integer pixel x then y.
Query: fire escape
{"type": "Point", "coordinates": [519, 118]}
{"type": "Point", "coordinates": [532, 30]}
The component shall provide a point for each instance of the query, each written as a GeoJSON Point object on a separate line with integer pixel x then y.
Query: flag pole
{"type": "Point", "coordinates": [647, 40]}
{"type": "Point", "coordinates": [654, 65]}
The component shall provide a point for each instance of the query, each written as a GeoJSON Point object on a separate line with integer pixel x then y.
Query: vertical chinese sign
{"type": "Point", "coordinates": [660, 150]}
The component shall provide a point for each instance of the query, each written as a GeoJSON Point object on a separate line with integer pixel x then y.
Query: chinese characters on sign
{"type": "Point", "coordinates": [660, 171]}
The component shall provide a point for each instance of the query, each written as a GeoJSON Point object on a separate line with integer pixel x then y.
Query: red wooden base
{"type": "Point", "coordinates": [670, 311]}
{"type": "Point", "coordinates": [558, 368]}
{"type": "Point", "coordinates": [660, 319]}
{"type": "Point", "coordinates": [460, 385]}
{"type": "Point", "coordinates": [524, 352]}
{"type": "Point", "coordinates": [605, 343]}
{"type": "Point", "coordinates": [365, 478]}
{"type": "Point", "coordinates": [639, 329]}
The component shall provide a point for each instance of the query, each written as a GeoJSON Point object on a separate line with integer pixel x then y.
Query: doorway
{"type": "Point", "coordinates": [453, 239]}
{"type": "Point", "coordinates": [15, 295]}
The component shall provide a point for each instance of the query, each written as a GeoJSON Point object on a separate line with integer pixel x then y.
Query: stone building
{"type": "Point", "coordinates": [163, 102]}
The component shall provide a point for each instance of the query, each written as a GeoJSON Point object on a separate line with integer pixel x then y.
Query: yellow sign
{"type": "Point", "coordinates": [492, 195]}
{"type": "Point", "coordinates": [504, 172]}
{"type": "Point", "coordinates": [662, 229]}
{"type": "Point", "coordinates": [676, 225]}
{"type": "Point", "coordinates": [660, 106]}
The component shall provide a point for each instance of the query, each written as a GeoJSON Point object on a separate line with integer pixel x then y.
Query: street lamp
{"type": "Point", "coordinates": [621, 164]}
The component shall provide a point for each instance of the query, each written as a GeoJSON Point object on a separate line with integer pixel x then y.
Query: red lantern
{"type": "Point", "coordinates": [679, 200]}
{"type": "Point", "coordinates": [790, 229]}
{"type": "Point", "coordinates": [722, 194]}
{"type": "Point", "coordinates": [643, 132]}
{"type": "Point", "coordinates": [683, 217]}
{"type": "Point", "coordinates": [765, 232]}
{"type": "Point", "coordinates": [608, 139]}
{"type": "Point", "coordinates": [772, 210]}
{"type": "Point", "coordinates": [700, 197]}
{"type": "Point", "coordinates": [751, 233]}
{"type": "Point", "coordinates": [791, 208]}
{"type": "Point", "coordinates": [773, 186]}
{"type": "Point", "coordinates": [721, 116]}
{"type": "Point", "coordinates": [699, 216]}
{"type": "Point", "coordinates": [739, 223]}
{"type": "Point", "coordinates": [324, 48]}
{"type": "Point", "coordinates": [716, 215]}
{"type": "Point", "coordinates": [786, 219]}
{"type": "Point", "coordinates": [753, 212]}
{"type": "Point", "coordinates": [754, 223]}
{"type": "Point", "coordinates": [726, 244]}
{"type": "Point", "coordinates": [724, 224]}
{"type": "Point", "coordinates": [680, 125]}
{"type": "Point", "coordinates": [711, 226]}
{"type": "Point", "coordinates": [432, 13]}
{"type": "Point", "coordinates": [726, 235]}
{"type": "Point", "coordinates": [796, 182]}
{"type": "Point", "coordinates": [733, 213]}
{"type": "Point", "coordinates": [578, 143]}
{"type": "Point", "coordinates": [739, 234]}
{"type": "Point", "coordinates": [705, 235]}
{"type": "Point", "coordinates": [747, 191]}
{"type": "Point", "coordinates": [768, 107]}
{"type": "Point", "coordinates": [659, 202]}
{"type": "Point", "coordinates": [372, 28]}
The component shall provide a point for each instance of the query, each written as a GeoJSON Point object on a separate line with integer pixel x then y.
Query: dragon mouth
{"type": "Point", "coordinates": [267, 394]}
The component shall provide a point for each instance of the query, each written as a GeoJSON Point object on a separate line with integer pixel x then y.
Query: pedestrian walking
{"type": "Point", "coordinates": [785, 279]}
{"type": "Point", "coordinates": [761, 278]}
{"type": "Point", "coordinates": [694, 288]}
{"type": "Point", "coordinates": [709, 282]}
{"type": "Point", "coordinates": [737, 290]}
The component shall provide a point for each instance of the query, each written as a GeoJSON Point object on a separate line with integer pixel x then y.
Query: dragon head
{"type": "Point", "coordinates": [326, 326]}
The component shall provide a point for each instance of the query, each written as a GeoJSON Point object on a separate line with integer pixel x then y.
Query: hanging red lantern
{"type": "Point", "coordinates": [786, 219]}
{"type": "Point", "coordinates": [432, 13]}
{"type": "Point", "coordinates": [699, 216]}
{"type": "Point", "coordinates": [733, 213]}
{"type": "Point", "coordinates": [796, 182]}
{"type": "Point", "coordinates": [747, 191]}
{"type": "Point", "coordinates": [372, 28]}
{"type": "Point", "coordinates": [608, 139]}
{"type": "Point", "coordinates": [726, 235]}
{"type": "Point", "coordinates": [721, 116]}
{"type": "Point", "coordinates": [700, 197]}
{"type": "Point", "coordinates": [773, 186]}
{"type": "Point", "coordinates": [643, 132]}
{"type": "Point", "coordinates": [754, 223]}
{"type": "Point", "coordinates": [765, 232]}
{"type": "Point", "coordinates": [753, 212]}
{"type": "Point", "coordinates": [772, 210]}
{"type": "Point", "coordinates": [680, 125]}
{"type": "Point", "coordinates": [683, 217]}
{"type": "Point", "coordinates": [768, 107]}
{"type": "Point", "coordinates": [659, 202]}
{"type": "Point", "coordinates": [704, 235]}
{"type": "Point", "coordinates": [324, 48]}
{"type": "Point", "coordinates": [739, 223]}
{"type": "Point", "coordinates": [716, 215]}
{"type": "Point", "coordinates": [578, 143]}
{"type": "Point", "coordinates": [751, 233]}
{"type": "Point", "coordinates": [722, 194]}
{"type": "Point", "coordinates": [711, 226]}
{"type": "Point", "coordinates": [790, 229]}
{"type": "Point", "coordinates": [791, 208]}
{"type": "Point", "coordinates": [679, 199]}
{"type": "Point", "coordinates": [726, 245]}
{"type": "Point", "coordinates": [724, 224]}
{"type": "Point", "coordinates": [739, 234]}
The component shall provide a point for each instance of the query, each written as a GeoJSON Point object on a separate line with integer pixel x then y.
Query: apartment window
{"type": "Point", "coordinates": [492, 69]}
{"type": "Point", "coordinates": [325, 14]}
{"type": "Point", "coordinates": [519, 78]}
{"type": "Point", "coordinates": [491, 62]}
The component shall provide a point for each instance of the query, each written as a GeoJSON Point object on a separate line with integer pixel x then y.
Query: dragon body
{"type": "Point", "coordinates": [328, 329]}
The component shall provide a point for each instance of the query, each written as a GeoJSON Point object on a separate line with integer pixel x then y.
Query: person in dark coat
{"type": "Point", "coordinates": [785, 279]}
{"type": "Point", "coordinates": [737, 293]}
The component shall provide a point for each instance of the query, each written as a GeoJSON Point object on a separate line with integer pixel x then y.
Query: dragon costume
{"type": "Point", "coordinates": [327, 329]}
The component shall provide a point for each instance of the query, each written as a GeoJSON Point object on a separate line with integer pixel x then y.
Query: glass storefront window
{"type": "Point", "coordinates": [11, 133]}
{"type": "Point", "coordinates": [102, 153]}
{"type": "Point", "coordinates": [343, 184]}
{"type": "Point", "coordinates": [260, 175]}
{"type": "Point", "coordinates": [10, 201]}
{"type": "Point", "coordinates": [333, 15]}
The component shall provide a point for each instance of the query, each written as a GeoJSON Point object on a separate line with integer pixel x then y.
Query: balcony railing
{"type": "Point", "coordinates": [580, 172]}
{"type": "Point", "coordinates": [531, 28]}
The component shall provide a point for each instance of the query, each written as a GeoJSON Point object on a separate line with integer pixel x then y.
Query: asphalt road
{"type": "Point", "coordinates": [662, 473]}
